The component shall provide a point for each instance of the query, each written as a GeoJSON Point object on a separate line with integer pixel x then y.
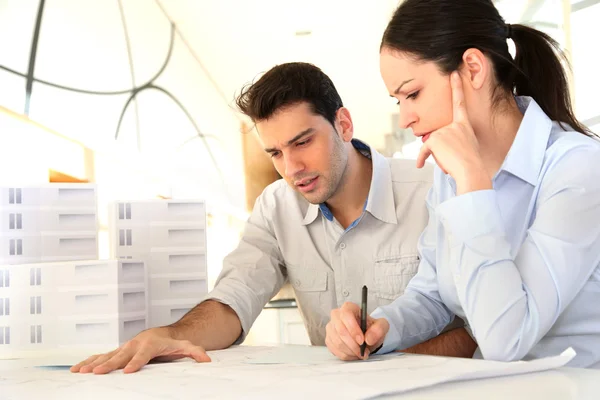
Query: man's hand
{"type": "Point", "coordinates": [344, 335]}
{"type": "Point", "coordinates": [155, 343]}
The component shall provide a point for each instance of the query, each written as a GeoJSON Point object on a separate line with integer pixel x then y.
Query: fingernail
{"type": "Point", "coordinates": [359, 340]}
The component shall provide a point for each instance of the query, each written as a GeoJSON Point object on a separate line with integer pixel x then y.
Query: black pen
{"type": "Point", "coordinates": [363, 319]}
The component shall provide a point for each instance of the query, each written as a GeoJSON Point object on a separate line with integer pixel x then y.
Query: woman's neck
{"type": "Point", "coordinates": [496, 131]}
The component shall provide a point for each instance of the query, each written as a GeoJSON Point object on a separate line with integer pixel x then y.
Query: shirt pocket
{"type": "Point", "coordinates": [314, 300]}
{"type": "Point", "coordinates": [392, 274]}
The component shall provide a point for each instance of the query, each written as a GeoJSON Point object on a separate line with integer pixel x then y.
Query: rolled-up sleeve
{"type": "Point", "coordinates": [419, 314]}
{"type": "Point", "coordinates": [254, 272]}
{"type": "Point", "coordinates": [512, 297]}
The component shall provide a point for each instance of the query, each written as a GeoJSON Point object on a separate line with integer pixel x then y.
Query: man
{"type": "Point", "coordinates": [343, 217]}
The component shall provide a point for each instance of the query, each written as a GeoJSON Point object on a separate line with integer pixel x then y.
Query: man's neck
{"type": "Point", "coordinates": [348, 203]}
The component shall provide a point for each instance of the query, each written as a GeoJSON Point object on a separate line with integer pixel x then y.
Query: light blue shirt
{"type": "Point", "coordinates": [520, 263]}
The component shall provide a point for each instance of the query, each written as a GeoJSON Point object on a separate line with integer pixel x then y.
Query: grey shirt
{"type": "Point", "coordinates": [287, 238]}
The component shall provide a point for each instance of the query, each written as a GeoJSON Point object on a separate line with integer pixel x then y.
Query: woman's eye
{"type": "Point", "coordinates": [413, 95]}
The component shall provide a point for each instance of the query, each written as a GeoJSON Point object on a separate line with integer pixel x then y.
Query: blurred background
{"type": "Point", "coordinates": [138, 95]}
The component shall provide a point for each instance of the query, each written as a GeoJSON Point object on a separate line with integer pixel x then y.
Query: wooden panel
{"type": "Point", "coordinates": [59, 177]}
{"type": "Point", "coordinates": [43, 149]}
{"type": "Point", "coordinates": [259, 171]}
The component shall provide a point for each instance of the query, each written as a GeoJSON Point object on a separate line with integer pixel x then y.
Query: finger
{"type": "Point", "coordinates": [351, 322]}
{"type": "Point", "coordinates": [377, 332]}
{"type": "Point", "coordinates": [334, 350]}
{"type": "Point", "coordinates": [340, 350]}
{"type": "Point", "coordinates": [89, 360]}
{"type": "Point", "coordinates": [424, 154]}
{"type": "Point", "coordinates": [179, 349]}
{"type": "Point", "coordinates": [117, 361]}
{"type": "Point", "coordinates": [458, 99]}
{"type": "Point", "coordinates": [141, 358]}
{"type": "Point", "coordinates": [86, 369]}
{"type": "Point", "coordinates": [336, 345]}
{"type": "Point", "coordinates": [84, 366]}
{"type": "Point", "coordinates": [370, 322]}
{"type": "Point", "coordinates": [351, 343]}
{"type": "Point", "coordinates": [351, 308]}
{"type": "Point", "coordinates": [328, 333]}
{"type": "Point", "coordinates": [367, 354]}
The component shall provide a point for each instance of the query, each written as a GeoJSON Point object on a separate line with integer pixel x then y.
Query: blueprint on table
{"type": "Point", "coordinates": [263, 373]}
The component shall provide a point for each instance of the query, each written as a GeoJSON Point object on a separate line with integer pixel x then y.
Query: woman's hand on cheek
{"type": "Point", "coordinates": [455, 147]}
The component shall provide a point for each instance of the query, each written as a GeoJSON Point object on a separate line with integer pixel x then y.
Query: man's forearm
{"type": "Point", "coordinates": [454, 343]}
{"type": "Point", "coordinates": [210, 324]}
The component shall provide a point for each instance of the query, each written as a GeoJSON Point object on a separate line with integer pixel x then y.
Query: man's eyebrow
{"type": "Point", "coordinates": [292, 140]}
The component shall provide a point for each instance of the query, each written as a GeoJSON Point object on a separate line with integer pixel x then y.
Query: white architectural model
{"type": "Point", "coordinates": [85, 304]}
{"type": "Point", "coordinates": [53, 222]}
{"type": "Point", "coordinates": [169, 236]}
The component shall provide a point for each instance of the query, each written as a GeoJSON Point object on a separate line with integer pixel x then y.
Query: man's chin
{"type": "Point", "coordinates": [314, 198]}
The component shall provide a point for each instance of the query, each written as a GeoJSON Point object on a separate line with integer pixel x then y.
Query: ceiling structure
{"type": "Point", "coordinates": [237, 40]}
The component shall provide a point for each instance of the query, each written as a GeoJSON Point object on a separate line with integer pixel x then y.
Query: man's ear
{"type": "Point", "coordinates": [344, 124]}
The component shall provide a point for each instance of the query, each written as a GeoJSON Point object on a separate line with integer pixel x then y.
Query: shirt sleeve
{"type": "Point", "coordinates": [419, 314]}
{"type": "Point", "coordinates": [512, 297]}
{"type": "Point", "coordinates": [254, 272]}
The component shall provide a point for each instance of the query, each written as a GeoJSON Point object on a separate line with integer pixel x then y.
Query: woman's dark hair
{"type": "Point", "coordinates": [286, 85]}
{"type": "Point", "coordinates": [442, 30]}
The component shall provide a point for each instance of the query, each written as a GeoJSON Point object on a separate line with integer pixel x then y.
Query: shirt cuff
{"type": "Point", "coordinates": [470, 332]}
{"type": "Point", "coordinates": [392, 339]}
{"type": "Point", "coordinates": [471, 215]}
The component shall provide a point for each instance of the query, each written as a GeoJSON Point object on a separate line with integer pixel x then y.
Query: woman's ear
{"type": "Point", "coordinates": [475, 69]}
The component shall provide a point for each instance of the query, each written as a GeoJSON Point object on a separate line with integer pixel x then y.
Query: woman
{"type": "Point", "coordinates": [513, 242]}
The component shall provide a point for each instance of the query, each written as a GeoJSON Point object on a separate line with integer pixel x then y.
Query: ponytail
{"type": "Point", "coordinates": [453, 26]}
{"type": "Point", "coordinates": [541, 75]}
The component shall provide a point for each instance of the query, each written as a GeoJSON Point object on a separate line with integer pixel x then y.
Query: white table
{"type": "Point", "coordinates": [563, 383]}
{"type": "Point", "coordinates": [560, 384]}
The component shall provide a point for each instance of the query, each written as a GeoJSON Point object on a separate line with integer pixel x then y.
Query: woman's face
{"type": "Point", "coordinates": [423, 92]}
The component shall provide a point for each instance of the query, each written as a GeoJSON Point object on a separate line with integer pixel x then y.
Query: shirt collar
{"type": "Point", "coordinates": [526, 155]}
{"type": "Point", "coordinates": [380, 202]}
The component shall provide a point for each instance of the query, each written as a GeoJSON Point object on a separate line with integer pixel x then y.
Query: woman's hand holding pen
{"type": "Point", "coordinates": [455, 147]}
{"type": "Point", "coordinates": [344, 335]}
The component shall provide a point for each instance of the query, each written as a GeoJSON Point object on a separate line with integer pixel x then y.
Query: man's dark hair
{"type": "Point", "coordinates": [287, 85]}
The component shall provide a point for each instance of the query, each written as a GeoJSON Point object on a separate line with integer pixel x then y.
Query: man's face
{"type": "Point", "coordinates": [306, 150]}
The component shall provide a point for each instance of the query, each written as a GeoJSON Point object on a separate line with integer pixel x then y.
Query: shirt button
{"type": "Point", "coordinates": [297, 282]}
{"type": "Point", "coordinates": [346, 293]}
{"type": "Point", "coordinates": [342, 246]}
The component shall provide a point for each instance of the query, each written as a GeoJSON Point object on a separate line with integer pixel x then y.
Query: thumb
{"type": "Point", "coordinates": [199, 355]}
{"type": "Point", "coordinates": [196, 352]}
{"type": "Point", "coordinates": [377, 331]}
